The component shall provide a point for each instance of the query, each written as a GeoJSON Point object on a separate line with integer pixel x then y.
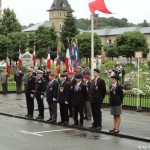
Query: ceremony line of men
{"type": "Point", "coordinates": [75, 94]}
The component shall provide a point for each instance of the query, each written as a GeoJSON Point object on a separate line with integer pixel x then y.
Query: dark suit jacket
{"type": "Point", "coordinates": [52, 91]}
{"type": "Point", "coordinates": [40, 87]}
{"type": "Point", "coordinates": [116, 96]}
{"type": "Point", "coordinates": [98, 91]}
{"type": "Point", "coordinates": [30, 85]}
{"type": "Point", "coordinates": [71, 87]}
{"type": "Point", "coordinates": [80, 95]}
{"type": "Point", "coordinates": [18, 77]}
{"type": "Point", "coordinates": [63, 92]}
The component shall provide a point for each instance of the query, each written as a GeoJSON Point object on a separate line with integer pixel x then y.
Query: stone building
{"type": "Point", "coordinates": [57, 14]}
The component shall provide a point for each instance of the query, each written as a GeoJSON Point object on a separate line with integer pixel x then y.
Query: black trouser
{"type": "Point", "coordinates": [78, 109]}
{"type": "Point", "coordinates": [64, 112]}
{"type": "Point", "coordinates": [18, 87]}
{"type": "Point", "coordinates": [30, 104]}
{"type": "Point", "coordinates": [97, 114]}
{"type": "Point", "coordinates": [4, 87]}
{"type": "Point", "coordinates": [40, 106]}
{"type": "Point", "coordinates": [53, 110]}
{"type": "Point", "coordinates": [70, 107]}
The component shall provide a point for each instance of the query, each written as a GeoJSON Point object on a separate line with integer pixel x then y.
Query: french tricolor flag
{"type": "Point", "coordinates": [67, 61]}
{"type": "Point", "coordinates": [20, 59]}
{"type": "Point", "coordinates": [48, 65]}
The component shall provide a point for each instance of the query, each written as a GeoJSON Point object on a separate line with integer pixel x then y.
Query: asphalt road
{"type": "Point", "coordinates": [16, 134]}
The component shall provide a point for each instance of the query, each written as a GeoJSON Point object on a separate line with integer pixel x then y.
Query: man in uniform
{"type": "Point", "coordinates": [29, 92]}
{"type": "Point", "coordinates": [85, 71]}
{"type": "Point", "coordinates": [87, 106]}
{"type": "Point", "coordinates": [4, 81]}
{"type": "Point", "coordinates": [63, 99]}
{"type": "Point", "coordinates": [18, 79]}
{"type": "Point", "coordinates": [98, 91]}
{"type": "Point", "coordinates": [79, 97]}
{"type": "Point", "coordinates": [72, 82]}
{"type": "Point", "coordinates": [51, 97]}
{"type": "Point", "coordinates": [40, 88]}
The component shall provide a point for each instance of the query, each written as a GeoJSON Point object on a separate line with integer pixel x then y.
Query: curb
{"type": "Point", "coordinates": [132, 137]}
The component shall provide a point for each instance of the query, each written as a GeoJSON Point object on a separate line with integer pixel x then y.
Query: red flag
{"type": "Point", "coordinates": [8, 64]}
{"type": "Point", "coordinates": [100, 6]}
{"type": "Point", "coordinates": [48, 65]}
{"type": "Point", "coordinates": [34, 57]}
{"type": "Point", "coordinates": [67, 61]}
{"type": "Point", "coordinates": [58, 58]}
{"type": "Point", "coordinates": [20, 60]}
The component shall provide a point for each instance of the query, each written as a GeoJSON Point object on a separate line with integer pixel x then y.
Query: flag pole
{"type": "Point", "coordinates": [92, 45]}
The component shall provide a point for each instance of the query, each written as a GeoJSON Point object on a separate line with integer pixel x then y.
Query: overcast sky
{"type": "Point", "coordinates": [34, 11]}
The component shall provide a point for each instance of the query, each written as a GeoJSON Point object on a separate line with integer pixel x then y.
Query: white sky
{"type": "Point", "coordinates": [34, 11]}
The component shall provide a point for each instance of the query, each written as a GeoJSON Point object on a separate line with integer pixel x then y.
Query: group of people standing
{"type": "Point", "coordinates": [76, 94]}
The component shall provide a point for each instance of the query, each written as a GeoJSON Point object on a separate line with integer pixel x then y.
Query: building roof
{"type": "Point", "coordinates": [117, 31]}
{"type": "Point", "coordinates": [35, 27]}
{"type": "Point", "coordinates": [60, 5]}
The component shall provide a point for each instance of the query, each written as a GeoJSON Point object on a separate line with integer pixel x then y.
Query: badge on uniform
{"type": "Point", "coordinates": [87, 89]}
{"type": "Point", "coordinates": [51, 89]}
{"type": "Point", "coordinates": [61, 89]}
{"type": "Point", "coordinates": [39, 81]}
{"type": "Point", "coordinates": [96, 88]}
{"type": "Point", "coordinates": [114, 92]}
{"type": "Point", "coordinates": [79, 88]}
{"type": "Point", "coordinates": [71, 87]}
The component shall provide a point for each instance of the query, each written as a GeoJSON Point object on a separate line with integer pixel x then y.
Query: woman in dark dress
{"type": "Point", "coordinates": [116, 99]}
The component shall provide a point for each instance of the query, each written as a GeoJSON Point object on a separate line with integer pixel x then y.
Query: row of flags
{"type": "Point", "coordinates": [72, 59]}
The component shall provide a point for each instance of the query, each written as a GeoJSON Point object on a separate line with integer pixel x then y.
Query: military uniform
{"type": "Point", "coordinates": [79, 98]}
{"type": "Point", "coordinates": [63, 101]}
{"type": "Point", "coordinates": [98, 91]}
{"type": "Point", "coordinates": [40, 88]}
{"type": "Point", "coordinates": [18, 79]}
{"type": "Point", "coordinates": [72, 82]}
{"type": "Point", "coordinates": [51, 97]}
{"type": "Point", "coordinates": [29, 91]}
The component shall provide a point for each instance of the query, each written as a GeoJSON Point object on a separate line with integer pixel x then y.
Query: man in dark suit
{"type": "Point", "coordinates": [40, 88]}
{"type": "Point", "coordinates": [63, 99]}
{"type": "Point", "coordinates": [18, 79]}
{"type": "Point", "coordinates": [87, 106]}
{"type": "Point", "coordinates": [79, 97]}
{"type": "Point", "coordinates": [29, 92]}
{"type": "Point", "coordinates": [98, 91]}
{"type": "Point", "coordinates": [51, 97]}
{"type": "Point", "coordinates": [72, 82]}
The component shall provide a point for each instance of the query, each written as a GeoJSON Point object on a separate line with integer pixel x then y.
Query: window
{"type": "Point", "coordinates": [109, 42]}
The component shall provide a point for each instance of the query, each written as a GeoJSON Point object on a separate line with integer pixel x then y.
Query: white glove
{"type": "Point", "coordinates": [66, 102]}
{"type": "Point", "coordinates": [32, 95]}
{"type": "Point", "coordinates": [54, 99]}
{"type": "Point", "coordinates": [42, 96]}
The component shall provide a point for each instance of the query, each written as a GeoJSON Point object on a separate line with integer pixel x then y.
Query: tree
{"type": "Point", "coordinates": [84, 43]}
{"type": "Point", "coordinates": [111, 51]}
{"type": "Point", "coordinates": [17, 39]}
{"type": "Point", "coordinates": [5, 45]}
{"type": "Point", "coordinates": [69, 29]}
{"type": "Point", "coordinates": [144, 24]}
{"type": "Point", "coordinates": [45, 37]}
{"type": "Point", "coordinates": [9, 23]}
{"type": "Point", "coordinates": [129, 42]}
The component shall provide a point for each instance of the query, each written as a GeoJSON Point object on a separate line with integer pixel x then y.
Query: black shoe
{"type": "Point", "coordinates": [98, 128]}
{"type": "Point", "coordinates": [75, 124]}
{"type": "Point", "coordinates": [65, 123]}
{"type": "Point", "coordinates": [40, 118]}
{"type": "Point", "coordinates": [116, 132]}
{"type": "Point", "coordinates": [50, 119]}
{"type": "Point", "coordinates": [60, 122]}
{"type": "Point", "coordinates": [111, 131]}
{"type": "Point", "coordinates": [92, 127]}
